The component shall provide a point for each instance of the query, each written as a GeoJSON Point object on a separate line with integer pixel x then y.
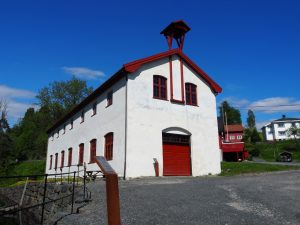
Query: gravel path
{"type": "Point", "coordinates": [266, 199]}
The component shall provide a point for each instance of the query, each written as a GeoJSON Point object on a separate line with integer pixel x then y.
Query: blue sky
{"type": "Point", "coordinates": [251, 48]}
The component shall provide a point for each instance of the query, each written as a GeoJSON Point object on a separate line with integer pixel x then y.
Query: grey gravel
{"type": "Point", "coordinates": [266, 199]}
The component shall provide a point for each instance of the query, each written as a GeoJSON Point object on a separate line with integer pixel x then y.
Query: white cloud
{"type": "Point", "coordinates": [18, 101]}
{"type": "Point", "coordinates": [275, 104]}
{"type": "Point", "coordinates": [236, 102]}
{"type": "Point", "coordinates": [8, 92]}
{"type": "Point", "coordinates": [85, 73]}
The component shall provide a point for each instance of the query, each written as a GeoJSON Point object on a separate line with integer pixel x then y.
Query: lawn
{"type": "Point", "coordinates": [269, 151]}
{"type": "Point", "coordinates": [33, 167]}
{"type": "Point", "coordinates": [235, 168]}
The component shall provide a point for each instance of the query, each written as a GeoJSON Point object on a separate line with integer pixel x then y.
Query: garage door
{"type": "Point", "coordinates": [176, 155]}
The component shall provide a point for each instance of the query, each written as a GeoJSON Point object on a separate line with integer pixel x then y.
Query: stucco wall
{"type": "Point", "coordinates": [147, 117]}
{"type": "Point", "coordinates": [107, 119]}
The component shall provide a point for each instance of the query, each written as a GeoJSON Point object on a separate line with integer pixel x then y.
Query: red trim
{"type": "Point", "coordinates": [62, 159]}
{"type": "Point", "coordinates": [171, 76]}
{"type": "Point", "coordinates": [81, 154]}
{"type": "Point", "coordinates": [182, 80]}
{"type": "Point", "coordinates": [109, 139]}
{"type": "Point", "coordinates": [177, 101]}
{"type": "Point", "coordinates": [70, 152]}
{"type": "Point", "coordinates": [50, 166]}
{"type": "Point", "coordinates": [130, 68]}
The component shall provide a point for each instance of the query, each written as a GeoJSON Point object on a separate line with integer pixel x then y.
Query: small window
{"type": "Point", "coordinates": [159, 87]}
{"type": "Point", "coordinates": [94, 109]}
{"type": "Point", "coordinates": [81, 154]}
{"type": "Point", "coordinates": [62, 162]}
{"type": "Point", "coordinates": [50, 163]}
{"type": "Point", "coordinates": [64, 129]}
{"type": "Point", "coordinates": [109, 98]}
{"type": "Point", "coordinates": [56, 160]}
{"type": "Point", "coordinates": [71, 124]}
{"type": "Point", "coordinates": [232, 137]}
{"type": "Point", "coordinates": [57, 134]}
{"type": "Point", "coordinates": [82, 116]}
{"type": "Point", "coordinates": [239, 137]}
{"type": "Point", "coordinates": [70, 151]}
{"type": "Point", "coordinates": [281, 133]}
{"type": "Point", "coordinates": [190, 94]}
{"type": "Point", "coordinates": [280, 124]}
{"type": "Point", "coordinates": [52, 137]}
{"type": "Point", "coordinates": [93, 151]}
{"type": "Point", "coordinates": [109, 138]}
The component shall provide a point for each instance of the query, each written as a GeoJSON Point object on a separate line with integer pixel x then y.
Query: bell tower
{"type": "Point", "coordinates": [176, 30]}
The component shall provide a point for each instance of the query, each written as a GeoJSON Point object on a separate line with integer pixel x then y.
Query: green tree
{"type": "Point", "coordinates": [233, 115]}
{"type": "Point", "coordinates": [60, 96]}
{"type": "Point", "coordinates": [5, 140]}
{"type": "Point", "coordinates": [293, 131]}
{"type": "Point", "coordinates": [251, 119]}
{"type": "Point", "coordinates": [29, 134]}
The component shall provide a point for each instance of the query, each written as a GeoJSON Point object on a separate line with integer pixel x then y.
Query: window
{"type": "Point", "coordinates": [57, 134]}
{"type": "Point", "coordinates": [81, 154]}
{"type": "Point", "coordinates": [93, 151]}
{"type": "Point", "coordinates": [232, 137]}
{"type": "Point", "coordinates": [159, 87]}
{"type": "Point", "coordinates": [94, 109]}
{"type": "Point", "coordinates": [281, 133]}
{"type": "Point", "coordinates": [82, 116]}
{"type": "Point", "coordinates": [52, 137]}
{"type": "Point", "coordinates": [56, 159]}
{"type": "Point", "coordinates": [190, 94]}
{"type": "Point", "coordinates": [109, 98]}
{"type": "Point", "coordinates": [109, 138]}
{"type": "Point", "coordinates": [50, 164]}
{"type": "Point", "coordinates": [71, 124]}
{"type": "Point", "coordinates": [62, 159]}
{"type": "Point", "coordinates": [70, 157]}
{"type": "Point", "coordinates": [64, 129]}
{"type": "Point", "coordinates": [239, 137]}
{"type": "Point", "coordinates": [280, 124]}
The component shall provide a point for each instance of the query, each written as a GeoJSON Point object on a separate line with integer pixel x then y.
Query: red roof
{"type": "Point", "coordinates": [234, 128]}
{"type": "Point", "coordinates": [130, 68]}
{"type": "Point", "coordinates": [133, 66]}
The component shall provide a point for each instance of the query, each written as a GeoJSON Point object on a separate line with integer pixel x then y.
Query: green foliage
{"type": "Point", "coordinates": [29, 134]}
{"type": "Point", "coordinates": [234, 168]}
{"type": "Point", "coordinates": [269, 151]}
{"type": "Point", "coordinates": [60, 97]}
{"type": "Point", "coordinates": [251, 119]}
{"type": "Point", "coordinates": [252, 135]}
{"type": "Point", "coordinates": [233, 115]}
{"type": "Point", "coordinates": [293, 131]}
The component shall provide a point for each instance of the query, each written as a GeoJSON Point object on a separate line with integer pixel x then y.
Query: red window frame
{"type": "Point", "coordinates": [160, 87]}
{"type": "Point", "coordinates": [109, 98]}
{"type": "Point", "coordinates": [70, 153]}
{"type": "Point", "coordinates": [62, 162]}
{"type": "Point", "coordinates": [56, 161]}
{"type": "Point", "coordinates": [51, 158]}
{"type": "Point", "coordinates": [109, 139]}
{"type": "Point", "coordinates": [191, 94]}
{"type": "Point", "coordinates": [81, 154]}
{"type": "Point", "coordinates": [93, 150]}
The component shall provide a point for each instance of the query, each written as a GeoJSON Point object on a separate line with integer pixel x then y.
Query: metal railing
{"type": "Point", "coordinates": [70, 178]}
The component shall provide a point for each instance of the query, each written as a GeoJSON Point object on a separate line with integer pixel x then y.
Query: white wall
{"type": "Point", "coordinates": [147, 117]}
{"type": "Point", "coordinates": [107, 119]}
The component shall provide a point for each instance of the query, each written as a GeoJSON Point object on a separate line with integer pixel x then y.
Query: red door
{"type": "Point", "coordinates": [176, 158]}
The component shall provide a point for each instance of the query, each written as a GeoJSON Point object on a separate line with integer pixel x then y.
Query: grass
{"type": "Point", "coordinates": [270, 150]}
{"type": "Point", "coordinates": [234, 168]}
{"type": "Point", "coordinates": [20, 169]}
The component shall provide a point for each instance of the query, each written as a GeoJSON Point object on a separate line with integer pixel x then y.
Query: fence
{"type": "Point", "coordinates": [44, 195]}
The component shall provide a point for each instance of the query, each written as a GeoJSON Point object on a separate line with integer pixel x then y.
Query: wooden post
{"type": "Point", "coordinates": [112, 191]}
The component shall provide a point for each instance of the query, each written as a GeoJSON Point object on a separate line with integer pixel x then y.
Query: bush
{"type": "Point", "coordinates": [254, 152]}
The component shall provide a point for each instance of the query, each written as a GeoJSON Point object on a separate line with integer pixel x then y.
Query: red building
{"type": "Point", "coordinates": [231, 142]}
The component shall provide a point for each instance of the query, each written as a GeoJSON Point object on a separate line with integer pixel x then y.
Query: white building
{"type": "Point", "coordinates": [277, 129]}
{"type": "Point", "coordinates": [162, 107]}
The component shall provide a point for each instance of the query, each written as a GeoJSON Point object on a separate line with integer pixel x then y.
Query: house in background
{"type": "Point", "coordinates": [276, 129]}
{"type": "Point", "coordinates": [160, 108]}
{"type": "Point", "coordinates": [231, 142]}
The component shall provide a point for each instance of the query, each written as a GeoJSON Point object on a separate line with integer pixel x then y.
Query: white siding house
{"type": "Point", "coordinates": [162, 108]}
{"type": "Point", "coordinates": [277, 129]}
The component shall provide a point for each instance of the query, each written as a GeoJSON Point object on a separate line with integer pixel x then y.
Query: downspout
{"type": "Point", "coordinates": [125, 150]}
